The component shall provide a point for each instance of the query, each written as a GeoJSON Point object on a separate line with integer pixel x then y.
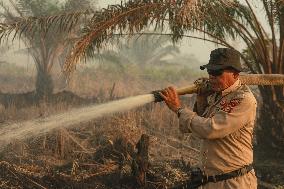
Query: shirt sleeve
{"type": "Point", "coordinates": [222, 123]}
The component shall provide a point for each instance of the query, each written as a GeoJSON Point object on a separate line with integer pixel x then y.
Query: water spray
{"type": "Point", "coordinates": [23, 130]}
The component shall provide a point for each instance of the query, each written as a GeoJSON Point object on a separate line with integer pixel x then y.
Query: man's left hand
{"type": "Point", "coordinates": [171, 98]}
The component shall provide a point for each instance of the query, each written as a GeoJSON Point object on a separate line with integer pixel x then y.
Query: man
{"type": "Point", "coordinates": [224, 118]}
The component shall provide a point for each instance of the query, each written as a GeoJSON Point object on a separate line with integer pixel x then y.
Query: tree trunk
{"type": "Point", "coordinates": [281, 24]}
{"type": "Point", "coordinates": [140, 163]}
{"type": "Point", "coordinates": [271, 130]}
{"type": "Point", "coordinates": [271, 133]}
{"type": "Point", "coordinates": [44, 84]}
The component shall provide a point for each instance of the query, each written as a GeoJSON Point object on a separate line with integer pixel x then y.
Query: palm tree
{"type": "Point", "coordinates": [142, 50]}
{"type": "Point", "coordinates": [44, 47]}
{"type": "Point", "coordinates": [219, 21]}
{"type": "Point", "coordinates": [3, 51]}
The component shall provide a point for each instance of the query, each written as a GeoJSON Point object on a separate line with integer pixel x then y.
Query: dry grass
{"type": "Point", "coordinates": [97, 154]}
{"type": "Point", "coordinates": [89, 151]}
{"type": "Point", "coordinates": [90, 154]}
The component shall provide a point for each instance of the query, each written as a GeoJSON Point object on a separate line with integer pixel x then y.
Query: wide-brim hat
{"type": "Point", "coordinates": [223, 58]}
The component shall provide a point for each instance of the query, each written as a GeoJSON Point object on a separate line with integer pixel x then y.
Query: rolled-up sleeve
{"type": "Point", "coordinates": [222, 123]}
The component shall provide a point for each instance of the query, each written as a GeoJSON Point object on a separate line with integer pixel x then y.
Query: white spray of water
{"type": "Point", "coordinates": [31, 128]}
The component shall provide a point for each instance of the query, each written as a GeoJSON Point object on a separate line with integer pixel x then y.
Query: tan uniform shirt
{"type": "Point", "coordinates": [227, 129]}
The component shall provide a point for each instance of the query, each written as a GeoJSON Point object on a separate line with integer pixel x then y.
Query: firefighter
{"type": "Point", "coordinates": [224, 117]}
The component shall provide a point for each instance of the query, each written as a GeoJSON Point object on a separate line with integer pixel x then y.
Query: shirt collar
{"type": "Point", "coordinates": [233, 87]}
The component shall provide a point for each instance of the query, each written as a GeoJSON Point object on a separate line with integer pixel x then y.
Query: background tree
{"type": "Point", "coordinates": [45, 45]}
{"type": "Point", "coordinates": [220, 21]}
{"type": "Point", "coordinates": [141, 50]}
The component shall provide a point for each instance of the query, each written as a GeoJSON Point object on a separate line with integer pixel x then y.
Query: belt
{"type": "Point", "coordinates": [239, 172]}
{"type": "Point", "coordinates": [200, 179]}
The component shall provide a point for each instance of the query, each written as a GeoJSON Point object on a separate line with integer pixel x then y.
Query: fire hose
{"type": "Point", "coordinates": [248, 79]}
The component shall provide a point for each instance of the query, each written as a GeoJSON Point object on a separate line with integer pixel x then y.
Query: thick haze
{"type": "Point", "coordinates": [201, 49]}
{"type": "Point", "coordinates": [197, 48]}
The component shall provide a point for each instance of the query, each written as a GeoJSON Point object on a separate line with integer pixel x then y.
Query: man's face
{"type": "Point", "coordinates": [222, 79]}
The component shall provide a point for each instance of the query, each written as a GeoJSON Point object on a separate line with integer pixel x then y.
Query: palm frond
{"type": "Point", "coordinates": [113, 57]}
{"type": "Point", "coordinates": [163, 52]}
{"type": "Point", "coordinates": [134, 16]}
{"type": "Point", "coordinates": [131, 17]}
{"type": "Point", "coordinates": [216, 19]}
{"type": "Point", "coordinates": [64, 22]}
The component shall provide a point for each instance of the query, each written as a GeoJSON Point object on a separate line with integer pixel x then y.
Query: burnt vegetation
{"type": "Point", "coordinates": [110, 152]}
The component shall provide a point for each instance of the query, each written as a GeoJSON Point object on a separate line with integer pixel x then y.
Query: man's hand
{"type": "Point", "coordinates": [171, 98]}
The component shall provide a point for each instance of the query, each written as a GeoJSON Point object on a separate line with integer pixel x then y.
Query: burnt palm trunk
{"type": "Point", "coordinates": [271, 133]}
{"type": "Point", "coordinates": [271, 130]}
{"type": "Point", "coordinates": [281, 28]}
